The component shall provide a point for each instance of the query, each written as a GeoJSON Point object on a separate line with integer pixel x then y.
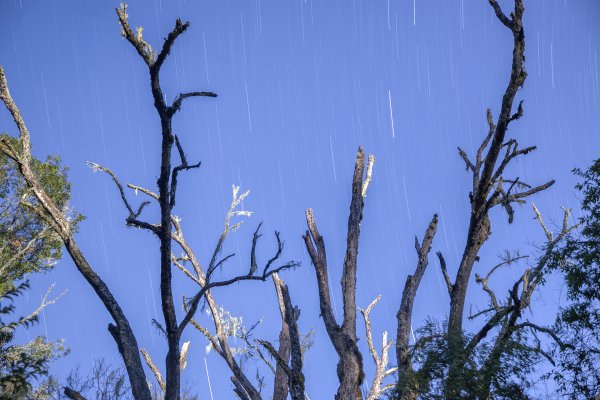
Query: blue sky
{"type": "Point", "coordinates": [301, 85]}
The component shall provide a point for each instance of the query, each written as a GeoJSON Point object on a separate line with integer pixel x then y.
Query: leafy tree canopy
{"type": "Point", "coordinates": [578, 372]}
{"type": "Point", "coordinates": [27, 244]}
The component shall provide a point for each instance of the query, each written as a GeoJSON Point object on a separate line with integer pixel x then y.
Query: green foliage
{"type": "Point", "coordinates": [509, 377]}
{"type": "Point", "coordinates": [578, 369]}
{"type": "Point", "coordinates": [26, 242]}
{"type": "Point", "coordinates": [21, 364]}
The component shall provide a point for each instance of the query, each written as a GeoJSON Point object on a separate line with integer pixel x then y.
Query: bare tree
{"type": "Point", "coordinates": [56, 218]}
{"type": "Point", "coordinates": [219, 341]}
{"type": "Point", "coordinates": [490, 188]}
{"type": "Point", "coordinates": [404, 315]}
{"type": "Point", "coordinates": [470, 362]}
{"type": "Point", "coordinates": [167, 230]}
{"type": "Point", "coordinates": [343, 337]}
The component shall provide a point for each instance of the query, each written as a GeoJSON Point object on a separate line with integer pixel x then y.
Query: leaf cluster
{"type": "Point", "coordinates": [578, 260]}
{"type": "Point", "coordinates": [26, 242]}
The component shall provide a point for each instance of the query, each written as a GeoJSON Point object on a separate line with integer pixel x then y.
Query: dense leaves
{"type": "Point", "coordinates": [578, 372]}
{"type": "Point", "coordinates": [511, 376]}
{"type": "Point", "coordinates": [27, 245]}
{"type": "Point", "coordinates": [26, 242]}
{"type": "Point", "coordinates": [20, 365]}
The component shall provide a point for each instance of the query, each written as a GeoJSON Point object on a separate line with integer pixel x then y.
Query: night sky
{"type": "Point", "coordinates": [301, 85]}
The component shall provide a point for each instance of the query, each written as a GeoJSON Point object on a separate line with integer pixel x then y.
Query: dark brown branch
{"type": "Point", "coordinates": [465, 157]}
{"type": "Point", "coordinates": [196, 299]}
{"type": "Point", "coordinates": [445, 272]}
{"type": "Point", "coordinates": [527, 193]}
{"type": "Point", "coordinates": [168, 43]}
{"type": "Point", "coordinates": [122, 332]}
{"type": "Point", "coordinates": [281, 362]}
{"type": "Point", "coordinates": [481, 312]}
{"type": "Point", "coordinates": [184, 166]}
{"type": "Point", "coordinates": [484, 280]}
{"type": "Point", "coordinates": [511, 153]}
{"type": "Point", "coordinates": [166, 195]}
{"type": "Point", "coordinates": [519, 112]}
{"type": "Point", "coordinates": [479, 225]}
{"type": "Point", "coordinates": [248, 277]}
{"type": "Point", "coordinates": [73, 394]}
{"type": "Point", "coordinates": [182, 96]}
{"type": "Point", "coordinates": [221, 342]}
{"type": "Point", "coordinates": [143, 225]}
{"type": "Point", "coordinates": [349, 271]}
{"type": "Point", "coordinates": [487, 327]}
{"type": "Point", "coordinates": [543, 329]}
{"type": "Point", "coordinates": [404, 315]}
{"type": "Point", "coordinates": [238, 389]}
{"type": "Point", "coordinates": [281, 381]}
{"type": "Point", "coordinates": [501, 16]}
{"type": "Point", "coordinates": [296, 379]}
{"type": "Point", "coordinates": [97, 167]}
{"type": "Point", "coordinates": [290, 315]}
{"type": "Point", "coordinates": [350, 367]}
{"type": "Point", "coordinates": [315, 245]}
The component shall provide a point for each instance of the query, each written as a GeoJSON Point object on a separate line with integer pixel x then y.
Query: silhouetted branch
{"type": "Point", "coordinates": [48, 211]}
{"type": "Point", "coordinates": [182, 96]}
{"type": "Point", "coordinates": [350, 369]}
{"type": "Point", "coordinates": [445, 272]}
{"type": "Point", "coordinates": [404, 315]}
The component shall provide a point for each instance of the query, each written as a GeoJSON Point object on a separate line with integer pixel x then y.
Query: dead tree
{"type": "Point", "coordinates": [55, 218]}
{"type": "Point", "coordinates": [404, 316]}
{"type": "Point", "coordinates": [166, 198]}
{"type": "Point", "coordinates": [490, 188]}
{"type": "Point", "coordinates": [343, 337]}
{"type": "Point", "coordinates": [288, 375]}
{"type": "Point", "coordinates": [243, 385]}
{"type": "Point", "coordinates": [167, 230]}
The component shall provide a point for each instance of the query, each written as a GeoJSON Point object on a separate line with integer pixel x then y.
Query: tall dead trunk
{"type": "Point", "coordinates": [407, 388]}
{"type": "Point", "coordinates": [280, 385]}
{"type": "Point", "coordinates": [488, 191]}
{"type": "Point", "coordinates": [343, 337]}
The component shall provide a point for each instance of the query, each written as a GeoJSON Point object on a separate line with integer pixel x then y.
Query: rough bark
{"type": "Point", "coordinates": [292, 347]}
{"type": "Point", "coordinates": [167, 185]}
{"type": "Point", "coordinates": [46, 209]}
{"type": "Point", "coordinates": [343, 337]}
{"type": "Point", "coordinates": [488, 190]}
{"type": "Point", "coordinates": [280, 386]}
{"type": "Point", "coordinates": [73, 394]}
{"type": "Point", "coordinates": [407, 388]}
